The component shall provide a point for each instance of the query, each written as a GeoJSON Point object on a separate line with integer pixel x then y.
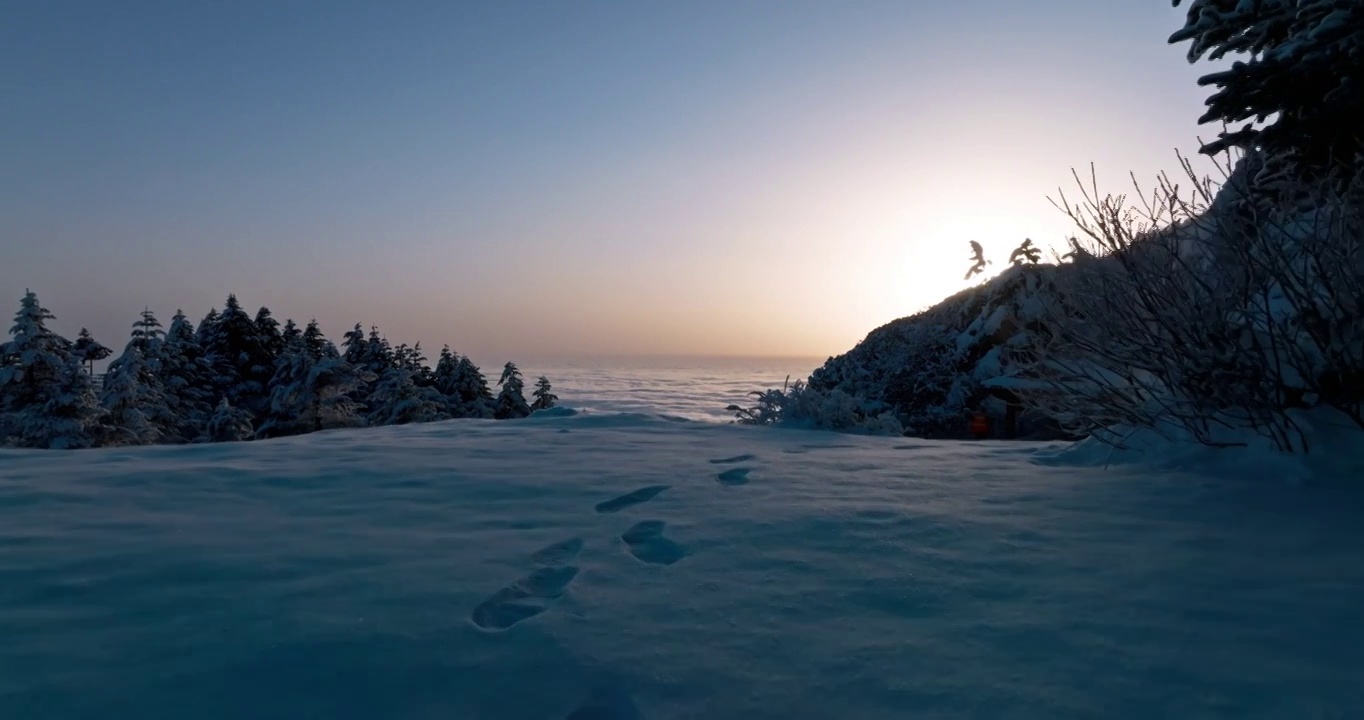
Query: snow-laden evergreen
{"type": "Point", "coordinates": [290, 335]}
{"type": "Point", "coordinates": [46, 398]}
{"type": "Point", "coordinates": [353, 345]}
{"type": "Point", "coordinates": [1295, 88]}
{"type": "Point", "coordinates": [511, 399]}
{"type": "Point", "coordinates": [217, 353]}
{"type": "Point", "coordinates": [31, 361]}
{"type": "Point", "coordinates": [371, 353]}
{"type": "Point", "coordinates": [268, 331]}
{"type": "Point", "coordinates": [137, 402]}
{"type": "Point", "coordinates": [207, 327]}
{"type": "Point", "coordinates": [229, 424]}
{"type": "Point", "coordinates": [475, 396]}
{"type": "Point", "coordinates": [89, 350]}
{"type": "Point", "coordinates": [377, 355]}
{"type": "Point", "coordinates": [147, 334]}
{"type": "Point", "coordinates": [68, 418]}
{"type": "Point", "coordinates": [241, 357]}
{"type": "Point", "coordinates": [398, 400]}
{"type": "Point", "coordinates": [544, 395]}
{"type": "Point", "coordinates": [316, 344]}
{"type": "Point", "coordinates": [413, 360]}
{"type": "Point", "coordinates": [188, 378]}
{"type": "Point", "coordinates": [311, 393]}
{"type": "Point", "coordinates": [445, 380]}
{"type": "Point", "coordinates": [147, 337]}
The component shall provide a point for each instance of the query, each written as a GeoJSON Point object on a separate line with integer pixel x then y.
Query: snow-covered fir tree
{"type": "Point", "coordinates": [317, 344]}
{"type": "Point", "coordinates": [310, 393]}
{"type": "Point", "coordinates": [376, 358]}
{"type": "Point", "coordinates": [134, 393]}
{"type": "Point", "coordinates": [290, 336]}
{"type": "Point", "coordinates": [544, 395]}
{"type": "Point", "coordinates": [46, 398]}
{"type": "Point", "coordinates": [69, 419]}
{"type": "Point", "coordinates": [220, 357]}
{"type": "Point", "coordinates": [378, 354]}
{"type": "Point", "coordinates": [353, 345]}
{"type": "Point", "coordinates": [368, 354]}
{"type": "Point", "coordinates": [207, 327]}
{"type": "Point", "coordinates": [402, 356]}
{"type": "Point", "coordinates": [241, 358]}
{"type": "Point", "coordinates": [187, 377]}
{"type": "Point", "coordinates": [412, 360]}
{"type": "Point", "coordinates": [147, 337]}
{"type": "Point", "coordinates": [31, 361]}
{"type": "Point", "coordinates": [89, 350]}
{"type": "Point", "coordinates": [397, 400]}
{"type": "Point", "coordinates": [181, 331]}
{"type": "Point", "coordinates": [1299, 62]}
{"type": "Point", "coordinates": [511, 400]}
{"type": "Point", "coordinates": [137, 403]}
{"type": "Point", "coordinates": [444, 375]}
{"type": "Point", "coordinates": [267, 329]}
{"type": "Point", "coordinates": [147, 334]}
{"type": "Point", "coordinates": [229, 424]}
{"type": "Point", "coordinates": [422, 372]}
{"type": "Point", "coordinates": [445, 380]}
{"type": "Point", "coordinates": [475, 397]}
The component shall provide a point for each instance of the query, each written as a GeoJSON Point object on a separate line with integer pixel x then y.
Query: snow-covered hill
{"type": "Point", "coordinates": [617, 566]}
{"type": "Point", "coordinates": [933, 368]}
{"type": "Point", "coordinates": [1240, 298]}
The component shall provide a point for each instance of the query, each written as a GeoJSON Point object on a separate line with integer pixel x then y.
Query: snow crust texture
{"type": "Point", "coordinates": [589, 566]}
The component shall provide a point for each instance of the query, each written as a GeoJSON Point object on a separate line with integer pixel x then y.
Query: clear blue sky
{"type": "Point", "coordinates": [533, 178]}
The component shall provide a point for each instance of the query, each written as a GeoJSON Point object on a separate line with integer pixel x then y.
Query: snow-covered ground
{"type": "Point", "coordinates": [626, 566]}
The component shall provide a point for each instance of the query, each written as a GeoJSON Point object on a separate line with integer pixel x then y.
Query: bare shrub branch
{"type": "Point", "coordinates": [1207, 307]}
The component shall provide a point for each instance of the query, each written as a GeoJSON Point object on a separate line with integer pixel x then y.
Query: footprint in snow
{"type": "Point", "coordinates": [646, 542]}
{"type": "Point", "coordinates": [641, 495]}
{"type": "Point", "coordinates": [523, 599]}
{"type": "Point", "coordinates": [558, 553]}
{"type": "Point", "coordinates": [534, 593]}
{"type": "Point", "coordinates": [734, 476]}
{"type": "Point", "coordinates": [731, 460]}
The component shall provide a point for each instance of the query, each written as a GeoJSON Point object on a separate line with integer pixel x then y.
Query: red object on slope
{"type": "Point", "coordinates": [980, 426]}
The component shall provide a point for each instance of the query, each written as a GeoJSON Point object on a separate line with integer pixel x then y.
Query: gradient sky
{"type": "Point", "coordinates": [561, 178]}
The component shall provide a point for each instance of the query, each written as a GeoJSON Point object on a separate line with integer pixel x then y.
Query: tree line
{"type": "Point", "coordinates": [232, 377]}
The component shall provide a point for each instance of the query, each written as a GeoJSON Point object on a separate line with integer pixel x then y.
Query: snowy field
{"type": "Point", "coordinates": [626, 566]}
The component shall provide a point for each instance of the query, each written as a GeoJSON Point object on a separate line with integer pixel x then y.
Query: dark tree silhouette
{"type": "Point", "coordinates": [978, 260]}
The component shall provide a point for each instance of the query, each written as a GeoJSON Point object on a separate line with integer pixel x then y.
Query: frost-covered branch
{"type": "Point", "coordinates": [1218, 305]}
